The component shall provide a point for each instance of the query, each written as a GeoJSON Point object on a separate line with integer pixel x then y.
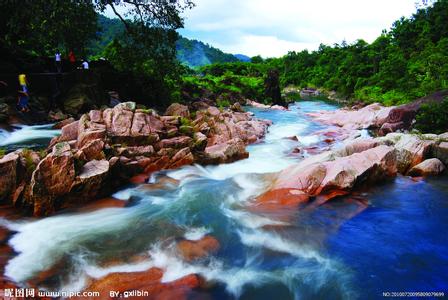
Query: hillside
{"type": "Point", "coordinates": [195, 53]}
{"type": "Point", "coordinates": [192, 53]}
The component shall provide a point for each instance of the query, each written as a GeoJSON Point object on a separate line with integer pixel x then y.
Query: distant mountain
{"type": "Point", "coordinates": [192, 53]}
{"type": "Point", "coordinates": [242, 57]}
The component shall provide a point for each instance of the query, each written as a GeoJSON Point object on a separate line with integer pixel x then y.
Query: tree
{"type": "Point", "coordinates": [39, 27]}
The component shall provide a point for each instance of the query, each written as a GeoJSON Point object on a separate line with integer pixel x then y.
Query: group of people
{"type": "Point", "coordinates": [71, 59]}
{"type": "Point", "coordinates": [23, 94]}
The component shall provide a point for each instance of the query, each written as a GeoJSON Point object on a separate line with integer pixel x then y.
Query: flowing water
{"type": "Point", "coordinates": [339, 250]}
{"type": "Point", "coordinates": [24, 136]}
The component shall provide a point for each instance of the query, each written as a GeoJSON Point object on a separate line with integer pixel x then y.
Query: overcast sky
{"type": "Point", "coordinates": [271, 28]}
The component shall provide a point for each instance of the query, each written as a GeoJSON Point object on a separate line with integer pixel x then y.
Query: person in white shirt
{"type": "Point", "coordinates": [58, 61]}
{"type": "Point", "coordinates": [85, 65]}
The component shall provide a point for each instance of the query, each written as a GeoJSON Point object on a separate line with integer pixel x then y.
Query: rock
{"type": "Point", "coordinates": [69, 132]}
{"type": "Point", "coordinates": [227, 152]}
{"type": "Point", "coordinates": [236, 107]}
{"type": "Point", "coordinates": [8, 178]}
{"type": "Point", "coordinates": [213, 111]}
{"type": "Point", "coordinates": [200, 141]}
{"type": "Point", "coordinates": [121, 122]}
{"type": "Point", "coordinates": [428, 167]}
{"type": "Point", "coordinates": [53, 178]}
{"type": "Point", "coordinates": [371, 116]}
{"type": "Point", "coordinates": [126, 106]}
{"type": "Point", "coordinates": [96, 116]}
{"type": "Point", "coordinates": [193, 250]}
{"type": "Point", "coordinates": [325, 177]}
{"type": "Point", "coordinates": [92, 150]}
{"type": "Point", "coordinates": [181, 158]}
{"type": "Point", "coordinates": [170, 120]}
{"type": "Point", "coordinates": [391, 127]}
{"type": "Point", "coordinates": [141, 124]}
{"type": "Point", "coordinates": [177, 109]}
{"type": "Point", "coordinates": [134, 151]}
{"type": "Point", "coordinates": [411, 149]}
{"type": "Point", "coordinates": [90, 181]}
{"type": "Point", "coordinates": [176, 142]}
{"type": "Point", "coordinates": [440, 151]}
{"type": "Point", "coordinates": [62, 123]}
{"type": "Point", "coordinates": [90, 135]}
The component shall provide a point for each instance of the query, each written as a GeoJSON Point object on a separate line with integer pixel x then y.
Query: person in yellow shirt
{"type": "Point", "coordinates": [23, 82]}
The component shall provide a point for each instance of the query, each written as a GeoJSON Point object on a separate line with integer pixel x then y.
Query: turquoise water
{"type": "Point", "coordinates": [24, 136]}
{"type": "Point", "coordinates": [340, 250]}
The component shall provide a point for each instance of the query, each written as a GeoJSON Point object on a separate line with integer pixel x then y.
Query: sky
{"type": "Point", "coordinates": [271, 28]}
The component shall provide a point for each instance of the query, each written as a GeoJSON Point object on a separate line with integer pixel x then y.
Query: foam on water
{"type": "Point", "coordinates": [24, 134]}
{"type": "Point", "coordinates": [42, 243]}
{"type": "Point", "coordinates": [195, 234]}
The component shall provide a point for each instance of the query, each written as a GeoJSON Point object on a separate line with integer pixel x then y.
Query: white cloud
{"type": "Point", "coordinates": [272, 28]}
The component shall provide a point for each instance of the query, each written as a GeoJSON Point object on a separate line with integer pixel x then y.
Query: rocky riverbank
{"type": "Point", "coordinates": [106, 148]}
{"type": "Point", "coordinates": [360, 161]}
{"type": "Point", "coordinates": [336, 171]}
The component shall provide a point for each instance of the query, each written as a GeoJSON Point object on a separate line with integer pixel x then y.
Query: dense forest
{"type": "Point", "coordinates": [407, 62]}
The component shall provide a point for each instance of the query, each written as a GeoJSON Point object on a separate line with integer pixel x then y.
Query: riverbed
{"type": "Point", "coordinates": [391, 237]}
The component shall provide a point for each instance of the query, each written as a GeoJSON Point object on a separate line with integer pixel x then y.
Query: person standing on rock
{"type": "Point", "coordinates": [22, 101]}
{"type": "Point", "coordinates": [72, 59]}
{"type": "Point", "coordinates": [23, 82]}
{"type": "Point", "coordinates": [58, 61]}
{"type": "Point", "coordinates": [85, 64]}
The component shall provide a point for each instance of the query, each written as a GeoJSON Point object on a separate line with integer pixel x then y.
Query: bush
{"type": "Point", "coordinates": [433, 117]}
{"type": "Point", "coordinates": [221, 103]}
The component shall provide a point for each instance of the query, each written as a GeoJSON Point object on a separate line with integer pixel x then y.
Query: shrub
{"type": "Point", "coordinates": [433, 117]}
{"type": "Point", "coordinates": [221, 103]}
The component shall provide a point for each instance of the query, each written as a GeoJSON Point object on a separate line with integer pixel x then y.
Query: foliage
{"type": "Point", "coordinates": [226, 83]}
{"type": "Point", "coordinates": [30, 165]}
{"type": "Point", "coordinates": [2, 152]}
{"type": "Point", "coordinates": [40, 27]}
{"type": "Point", "coordinates": [433, 117]}
{"type": "Point", "coordinates": [409, 61]}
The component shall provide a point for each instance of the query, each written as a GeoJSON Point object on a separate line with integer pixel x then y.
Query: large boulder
{"type": "Point", "coordinates": [53, 178]}
{"type": "Point", "coordinates": [432, 166]}
{"type": "Point", "coordinates": [441, 152]}
{"type": "Point", "coordinates": [226, 152]}
{"type": "Point", "coordinates": [177, 109]}
{"type": "Point", "coordinates": [90, 181]}
{"type": "Point", "coordinates": [181, 158]}
{"type": "Point", "coordinates": [371, 116]}
{"type": "Point", "coordinates": [8, 177]}
{"type": "Point", "coordinates": [331, 176]}
{"type": "Point", "coordinates": [411, 149]}
{"type": "Point", "coordinates": [91, 150]}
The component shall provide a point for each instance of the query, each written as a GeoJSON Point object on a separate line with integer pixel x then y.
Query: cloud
{"type": "Point", "coordinates": [272, 28]}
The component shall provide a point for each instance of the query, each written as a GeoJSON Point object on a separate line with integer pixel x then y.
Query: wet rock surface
{"type": "Point", "coordinates": [105, 148]}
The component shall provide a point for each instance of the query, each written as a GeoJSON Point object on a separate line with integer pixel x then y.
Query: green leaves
{"type": "Point", "coordinates": [433, 117]}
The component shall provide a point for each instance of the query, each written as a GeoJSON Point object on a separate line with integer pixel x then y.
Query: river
{"type": "Point", "coordinates": [398, 241]}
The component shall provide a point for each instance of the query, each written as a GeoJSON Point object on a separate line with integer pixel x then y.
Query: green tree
{"type": "Point", "coordinates": [39, 27]}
